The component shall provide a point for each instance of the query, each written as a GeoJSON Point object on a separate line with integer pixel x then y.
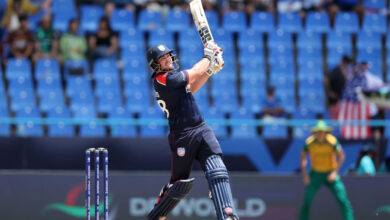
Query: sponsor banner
{"type": "Point", "coordinates": [60, 195]}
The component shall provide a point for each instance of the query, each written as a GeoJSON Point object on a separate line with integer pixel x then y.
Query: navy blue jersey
{"type": "Point", "coordinates": [176, 100]}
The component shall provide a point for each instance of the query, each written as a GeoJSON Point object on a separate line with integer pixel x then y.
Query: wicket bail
{"type": "Point", "coordinates": [97, 152]}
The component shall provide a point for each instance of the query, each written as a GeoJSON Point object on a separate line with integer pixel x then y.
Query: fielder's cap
{"type": "Point", "coordinates": [321, 126]}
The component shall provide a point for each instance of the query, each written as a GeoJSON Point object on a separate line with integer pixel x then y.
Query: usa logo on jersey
{"type": "Point", "coordinates": [181, 151]}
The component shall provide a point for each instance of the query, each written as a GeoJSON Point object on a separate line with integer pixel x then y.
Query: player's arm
{"type": "Point", "coordinates": [303, 163]}
{"type": "Point", "coordinates": [197, 75]}
{"type": "Point", "coordinates": [340, 159]}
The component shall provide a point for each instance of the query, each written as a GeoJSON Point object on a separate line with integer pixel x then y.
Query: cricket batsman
{"type": "Point", "coordinates": [323, 149]}
{"type": "Point", "coordinates": [190, 138]}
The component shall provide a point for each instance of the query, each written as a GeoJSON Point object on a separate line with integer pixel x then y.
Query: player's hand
{"type": "Point", "coordinates": [306, 179]}
{"type": "Point", "coordinates": [332, 177]}
{"type": "Point", "coordinates": [216, 63]}
{"type": "Point", "coordinates": [210, 48]}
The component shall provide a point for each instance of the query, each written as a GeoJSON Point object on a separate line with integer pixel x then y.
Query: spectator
{"type": "Point", "coordinates": [15, 8]}
{"type": "Point", "coordinates": [385, 166]}
{"type": "Point", "coordinates": [315, 5]}
{"type": "Point", "coordinates": [272, 105]}
{"type": "Point", "coordinates": [109, 7]}
{"type": "Point", "coordinates": [104, 43]}
{"type": "Point", "coordinates": [365, 165]}
{"type": "Point", "coordinates": [346, 5]}
{"type": "Point", "coordinates": [259, 5]}
{"type": "Point", "coordinates": [21, 41]}
{"type": "Point", "coordinates": [373, 82]}
{"type": "Point", "coordinates": [335, 82]}
{"type": "Point", "coordinates": [72, 45]}
{"type": "Point", "coordinates": [46, 40]}
{"type": "Point", "coordinates": [285, 6]}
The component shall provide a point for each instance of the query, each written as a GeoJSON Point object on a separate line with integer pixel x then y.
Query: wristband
{"type": "Point", "coordinates": [207, 57]}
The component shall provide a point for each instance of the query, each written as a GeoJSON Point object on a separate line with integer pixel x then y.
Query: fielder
{"type": "Point", "coordinates": [190, 138]}
{"type": "Point", "coordinates": [323, 149]}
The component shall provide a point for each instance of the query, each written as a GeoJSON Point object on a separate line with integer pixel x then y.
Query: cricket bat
{"type": "Point", "coordinates": [200, 21]}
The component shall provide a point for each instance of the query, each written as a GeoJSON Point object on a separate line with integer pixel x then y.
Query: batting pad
{"type": "Point", "coordinates": [218, 179]}
{"type": "Point", "coordinates": [170, 196]}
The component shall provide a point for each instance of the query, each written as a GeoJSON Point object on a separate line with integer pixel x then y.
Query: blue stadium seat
{"type": "Point", "coordinates": [225, 100]}
{"type": "Point", "coordinates": [51, 99]}
{"type": "Point", "coordinates": [47, 68]}
{"type": "Point", "coordinates": [309, 54]}
{"type": "Point", "coordinates": [136, 67]}
{"type": "Point", "coordinates": [18, 68]}
{"type": "Point", "coordinates": [109, 101]}
{"type": "Point", "coordinates": [133, 51]}
{"type": "Point", "coordinates": [310, 68]}
{"type": "Point", "coordinates": [122, 130]}
{"type": "Point", "coordinates": [83, 98]}
{"type": "Point", "coordinates": [29, 128]}
{"type": "Point", "coordinates": [243, 129]}
{"type": "Point", "coordinates": [137, 101]}
{"type": "Point", "coordinates": [21, 83]}
{"type": "Point", "coordinates": [90, 16]}
{"type": "Point", "coordinates": [104, 68]}
{"type": "Point", "coordinates": [374, 4]}
{"type": "Point", "coordinates": [347, 22]}
{"type": "Point", "coordinates": [317, 22]}
{"type": "Point", "coordinates": [290, 22]}
{"type": "Point", "coordinates": [281, 54]}
{"type": "Point", "coordinates": [61, 6]}
{"type": "Point", "coordinates": [149, 20]}
{"type": "Point", "coordinates": [262, 21]}
{"type": "Point", "coordinates": [337, 39]}
{"type": "Point", "coordinates": [177, 20]}
{"type": "Point", "coordinates": [309, 39]}
{"type": "Point", "coordinates": [302, 131]}
{"type": "Point", "coordinates": [282, 69]}
{"type": "Point", "coordinates": [134, 84]}
{"type": "Point", "coordinates": [152, 129]}
{"type": "Point", "coordinates": [162, 36]}
{"type": "Point", "coordinates": [250, 37]}
{"type": "Point", "coordinates": [212, 18]}
{"type": "Point", "coordinates": [212, 115]}
{"type": "Point", "coordinates": [190, 53]}
{"type": "Point", "coordinates": [75, 85]}
{"type": "Point", "coordinates": [34, 19]}
{"type": "Point", "coordinates": [274, 131]}
{"type": "Point", "coordinates": [61, 20]}
{"type": "Point", "coordinates": [234, 21]}
{"type": "Point", "coordinates": [131, 36]}
{"type": "Point", "coordinates": [189, 37]}
{"type": "Point", "coordinates": [252, 68]}
{"type": "Point", "coordinates": [311, 82]}
{"type": "Point", "coordinates": [369, 54]}
{"type": "Point", "coordinates": [122, 20]}
{"type": "Point", "coordinates": [375, 22]}
{"type": "Point", "coordinates": [280, 38]}
{"type": "Point", "coordinates": [4, 128]}
{"type": "Point", "coordinates": [287, 98]}
{"type": "Point", "coordinates": [62, 128]}
{"type": "Point", "coordinates": [107, 84]}
{"type": "Point", "coordinates": [48, 84]}
{"type": "Point", "coordinates": [314, 100]}
{"type": "Point", "coordinates": [224, 38]}
{"type": "Point", "coordinates": [251, 53]}
{"type": "Point", "coordinates": [23, 98]}
{"type": "Point", "coordinates": [366, 39]}
{"type": "Point", "coordinates": [3, 100]}
{"type": "Point", "coordinates": [252, 82]}
{"type": "Point", "coordinates": [251, 100]}
{"type": "Point", "coordinates": [285, 82]}
{"type": "Point", "coordinates": [92, 129]}
{"type": "Point", "coordinates": [202, 99]}
{"type": "Point", "coordinates": [84, 112]}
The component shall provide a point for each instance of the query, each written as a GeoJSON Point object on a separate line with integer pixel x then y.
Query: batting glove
{"type": "Point", "coordinates": [209, 49]}
{"type": "Point", "coordinates": [216, 63]}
